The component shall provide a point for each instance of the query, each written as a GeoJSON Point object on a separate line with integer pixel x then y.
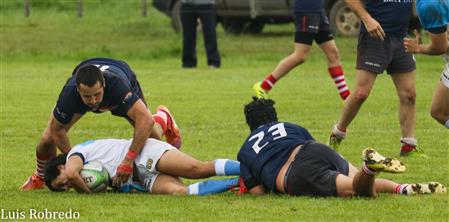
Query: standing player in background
{"type": "Point", "coordinates": [157, 168]}
{"type": "Point", "coordinates": [311, 24]}
{"type": "Point", "coordinates": [380, 48]}
{"type": "Point", "coordinates": [434, 17]}
{"type": "Point", "coordinates": [283, 157]}
{"type": "Point", "coordinates": [99, 85]}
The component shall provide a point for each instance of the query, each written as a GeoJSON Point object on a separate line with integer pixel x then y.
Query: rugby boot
{"type": "Point", "coordinates": [33, 183]}
{"type": "Point", "coordinates": [260, 92]}
{"type": "Point", "coordinates": [376, 162]}
{"type": "Point", "coordinates": [172, 134]}
{"type": "Point", "coordinates": [424, 188]}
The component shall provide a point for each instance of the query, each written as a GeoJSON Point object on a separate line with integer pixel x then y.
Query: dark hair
{"type": "Point", "coordinates": [260, 112]}
{"type": "Point", "coordinates": [51, 170]}
{"type": "Point", "coordinates": [89, 75]}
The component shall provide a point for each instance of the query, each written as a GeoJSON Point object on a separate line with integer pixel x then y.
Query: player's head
{"type": "Point", "coordinates": [54, 174]}
{"type": "Point", "coordinates": [260, 112]}
{"type": "Point", "coordinates": [90, 84]}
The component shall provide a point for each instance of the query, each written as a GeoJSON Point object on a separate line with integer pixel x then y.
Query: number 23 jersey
{"type": "Point", "coordinates": [265, 151]}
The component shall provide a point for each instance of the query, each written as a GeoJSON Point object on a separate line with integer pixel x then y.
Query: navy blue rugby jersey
{"type": "Point", "coordinates": [308, 6]}
{"type": "Point", "coordinates": [120, 92]}
{"type": "Point", "coordinates": [392, 15]}
{"type": "Point", "coordinates": [265, 151]}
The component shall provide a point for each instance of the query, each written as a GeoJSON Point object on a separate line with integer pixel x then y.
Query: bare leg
{"type": "Point", "coordinates": [385, 186]}
{"type": "Point", "coordinates": [364, 84]}
{"type": "Point", "coordinates": [405, 87]}
{"type": "Point", "coordinates": [298, 57]}
{"type": "Point", "coordinates": [177, 163]}
{"type": "Point", "coordinates": [440, 104]}
{"type": "Point", "coordinates": [331, 51]}
{"type": "Point", "coordinates": [166, 184]}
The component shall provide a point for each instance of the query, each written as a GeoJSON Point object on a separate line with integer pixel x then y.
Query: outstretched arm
{"type": "Point", "coordinates": [372, 26]}
{"type": "Point", "coordinates": [438, 44]}
{"type": "Point", "coordinates": [73, 167]}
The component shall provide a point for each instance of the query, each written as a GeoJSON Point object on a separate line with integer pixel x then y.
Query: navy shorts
{"type": "Point", "coordinates": [375, 55]}
{"type": "Point", "coordinates": [311, 26]}
{"type": "Point", "coordinates": [314, 171]}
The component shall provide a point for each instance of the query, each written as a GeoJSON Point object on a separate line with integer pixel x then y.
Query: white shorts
{"type": "Point", "coordinates": [147, 159]}
{"type": "Point", "coordinates": [445, 76]}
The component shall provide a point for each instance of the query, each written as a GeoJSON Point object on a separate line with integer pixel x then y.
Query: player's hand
{"type": "Point", "coordinates": [124, 171]}
{"type": "Point", "coordinates": [374, 28]}
{"type": "Point", "coordinates": [411, 45]}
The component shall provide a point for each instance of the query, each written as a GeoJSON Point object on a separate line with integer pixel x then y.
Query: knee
{"type": "Point", "coordinates": [438, 114]}
{"type": "Point", "coordinates": [408, 96]}
{"type": "Point", "coordinates": [361, 95]}
{"type": "Point", "coordinates": [299, 57]}
{"type": "Point", "coordinates": [198, 171]}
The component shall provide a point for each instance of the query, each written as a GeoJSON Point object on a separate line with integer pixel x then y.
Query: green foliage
{"type": "Point", "coordinates": [39, 53]}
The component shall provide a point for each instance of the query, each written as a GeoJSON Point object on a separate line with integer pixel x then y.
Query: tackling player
{"type": "Point", "coordinates": [311, 24]}
{"type": "Point", "coordinates": [99, 85]}
{"type": "Point", "coordinates": [157, 168]}
{"type": "Point", "coordinates": [282, 157]}
{"type": "Point", "coordinates": [434, 17]}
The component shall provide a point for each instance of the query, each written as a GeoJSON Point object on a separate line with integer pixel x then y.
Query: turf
{"type": "Point", "coordinates": [39, 53]}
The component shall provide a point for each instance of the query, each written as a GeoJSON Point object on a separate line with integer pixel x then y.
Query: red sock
{"type": "Point", "coordinates": [158, 119]}
{"type": "Point", "coordinates": [339, 80]}
{"type": "Point", "coordinates": [41, 160]}
{"type": "Point", "coordinates": [268, 82]}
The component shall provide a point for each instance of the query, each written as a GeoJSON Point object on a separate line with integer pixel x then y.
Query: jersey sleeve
{"type": "Point", "coordinates": [249, 180]}
{"type": "Point", "coordinates": [428, 15]}
{"type": "Point", "coordinates": [81, 151]}
{"type": "Point", "coordinates": [67, 105]}
{"type": "Point", "coordinates": [126, 97]}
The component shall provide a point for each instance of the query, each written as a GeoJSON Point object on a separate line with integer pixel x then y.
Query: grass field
{"type": "Point", "coordinates": [39, 53]}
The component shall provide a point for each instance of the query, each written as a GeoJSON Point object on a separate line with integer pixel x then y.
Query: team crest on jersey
{"type": "Point", "coordinates": [149, 164]}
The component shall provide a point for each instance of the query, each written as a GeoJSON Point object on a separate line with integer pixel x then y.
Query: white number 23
{"type": "Point", "coordinates": [277, 131]}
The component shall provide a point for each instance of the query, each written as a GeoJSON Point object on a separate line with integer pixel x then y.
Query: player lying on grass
{"type": "Point", "coordinates": [282, 157]}
{"type": "Point", "coordinates": [157, 169]}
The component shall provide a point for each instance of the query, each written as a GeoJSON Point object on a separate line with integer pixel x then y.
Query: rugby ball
{"type": "Point", "coordinates": [95, 176]}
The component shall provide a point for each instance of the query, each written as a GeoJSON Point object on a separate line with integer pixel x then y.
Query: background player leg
{"type": "Point", "coordinates": [440, 104]}
{"type": "Point", "coordinates": [334, 67]}
{"type": "Point", "coordinates": [405, 87]}
{"type": "Point", "coordinates": [299, 55]}
{"type": "Point", "coordinates": [364, 84]}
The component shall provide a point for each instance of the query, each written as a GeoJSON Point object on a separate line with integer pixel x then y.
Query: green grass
{"type": "Point", "coordinates": [39, 53]}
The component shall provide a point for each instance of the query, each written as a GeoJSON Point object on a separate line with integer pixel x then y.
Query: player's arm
{"type": "Point", "coordinates": [73, 167]}
{"type": "Point", "coordinates": [372, 26]}
{"type": "Point", "coordinates": [438, 44]}
{"type": "Point", "coordinates": [59, 133]}
{"type": "Point", "coordinates": [143, 124]}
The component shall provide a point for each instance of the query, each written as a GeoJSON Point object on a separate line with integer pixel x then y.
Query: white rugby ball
{"type": "Point", "coordinates": [95, 176]}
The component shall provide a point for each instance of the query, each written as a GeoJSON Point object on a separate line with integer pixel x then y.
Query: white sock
{"type": "Point", "coordinates": [337, 132]}
{"type": "Point", "coordinates": [447, 124]}
{"type": "Point", "coordinates": [409, 141]}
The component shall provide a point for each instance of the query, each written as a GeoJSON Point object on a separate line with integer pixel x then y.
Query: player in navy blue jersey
{"type": "Point", "coordinates": [282, 157]}
{"type": "Point", "coordinates": [311, 24]}
{"type": "Point", "coordinates": [434, 17]}
{"type": "Point", "coordinates": [380, 48]}
{"type": "Point", "coordinates": [99, 85]}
